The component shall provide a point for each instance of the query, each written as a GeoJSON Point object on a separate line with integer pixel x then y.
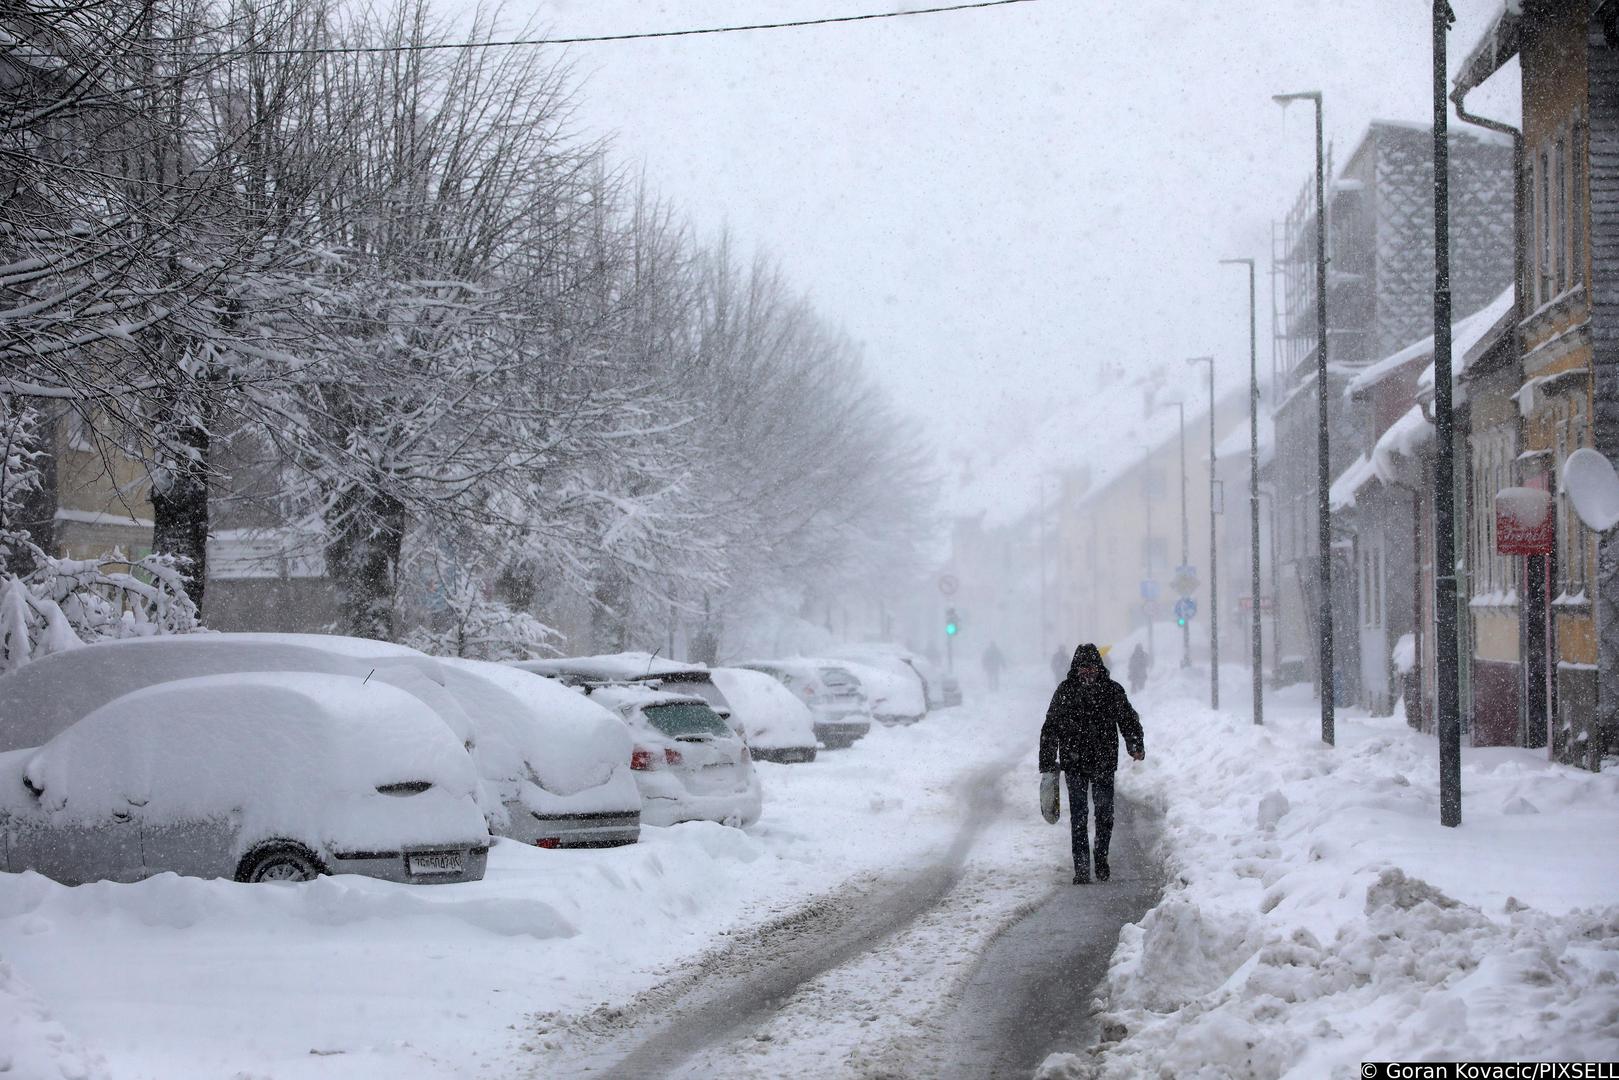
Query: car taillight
{"type": "Point", "coordinates": [642, 759]}
{"type": "Point", "coordinates": [809, 691]}
{"type": "Point", "coordinates": [672, 756]}
{"type": "Point", "coordinates": [548, 842]}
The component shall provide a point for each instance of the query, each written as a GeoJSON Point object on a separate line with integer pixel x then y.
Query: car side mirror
{"type": "Point", "coordinates": [37, 792]}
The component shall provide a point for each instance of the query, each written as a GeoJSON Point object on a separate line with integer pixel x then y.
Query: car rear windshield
{"type": "Point", "coordinates": [686, 718]}
{"type": "Point", "coordinates": [837, 677]}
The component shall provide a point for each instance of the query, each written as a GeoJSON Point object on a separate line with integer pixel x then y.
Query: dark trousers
{"type": "Point", "coordinates": [1100, 791]}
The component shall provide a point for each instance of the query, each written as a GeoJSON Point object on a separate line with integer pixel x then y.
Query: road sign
{"type": "Point", "coordinates": [1185, 608]}
{"type": "Point", "coordinates": [948, 584]}
{"type": "Point", "coordinates": [1266, 603]}
{"type": "Point", "coordinates": [1149, 589]}
{"type": "Point", "coordinates": [1185, 580]}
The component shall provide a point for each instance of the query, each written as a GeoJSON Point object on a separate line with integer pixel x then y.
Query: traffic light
{"type": "Point", "coordinates": [950, 624]}
{"type": "Point", "coordinates": [1180, 620]}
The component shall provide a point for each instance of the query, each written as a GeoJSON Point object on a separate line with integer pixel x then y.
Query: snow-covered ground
{"type": "Point", "coordinates": [175, 978]}
{"type": "Point", "coordinates": [1316, 914]}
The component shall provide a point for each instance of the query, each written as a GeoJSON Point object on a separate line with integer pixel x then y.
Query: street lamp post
{"type": "Point", "coordinates": [1253, 484]}
{"type": "Point", "coordinates": [1186, 626]}
{"type": "Point", "coordinates": [1214, 566]}
{"type": "Point", "coordinates": [1323, 464]}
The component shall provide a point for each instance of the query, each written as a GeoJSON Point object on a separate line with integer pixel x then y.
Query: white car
{"type": "Point", "coordinates": [689, 764]}
{"type": "Point", "coordinates": [837, 706]}
{"type": "Point", "coordinates": [777, 725]}
{"type": "Point", "coordinates": [259, 777]}
{"type": "Point", "coordinates": [559, 763]}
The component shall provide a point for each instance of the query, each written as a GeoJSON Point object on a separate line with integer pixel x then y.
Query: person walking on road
{"type": "Point", "coordinates": [1080, 737]}
{"type": "Point", "coordinates": [1138, 669]}
{"type": "Point", "coordinates": [1059, 663]}
{"type": "Point", "coordinates": [993, 662]}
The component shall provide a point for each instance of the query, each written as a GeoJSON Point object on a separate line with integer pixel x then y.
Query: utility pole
{"type": "Point", "coordinates": [1253, 489]}
{"type": "Point", "coordinates": [1214, 553]}
{"type": "Point", "coordinates": [1446, 653]}
{"type": "Point", "coordinates": [1147, 602]}
{"type": "Point", "coordinates": [1186, 625]}
{"type": "Point", "coordinates": [1042, 564]}
{"type": "Point", "coordinates": [1326, 662]}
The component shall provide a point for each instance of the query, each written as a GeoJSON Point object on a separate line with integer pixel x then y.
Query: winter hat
{"type": "Point", "coordinates": [1086, 656]}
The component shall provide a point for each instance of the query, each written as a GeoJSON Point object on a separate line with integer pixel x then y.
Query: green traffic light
{"type": "Point", "coordinates": [1180, 622]}
{"type": "Point", "coordinates": [950, 628]}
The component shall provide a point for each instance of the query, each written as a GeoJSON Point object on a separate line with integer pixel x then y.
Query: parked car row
{"type": "Point", "coordinates": [279, 757]}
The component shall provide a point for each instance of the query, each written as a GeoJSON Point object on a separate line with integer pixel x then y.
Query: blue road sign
{"type": "Point", "coordinates": [1185, 608]}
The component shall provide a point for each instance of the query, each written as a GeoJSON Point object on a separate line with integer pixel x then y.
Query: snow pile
{"type": "Point", "coordinates": [32, 1043]}
{"type": "Point", "coordinates": [1317, 915]}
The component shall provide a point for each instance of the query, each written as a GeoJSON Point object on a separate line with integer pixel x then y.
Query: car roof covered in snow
{"type": "Point", "coordinates": [44, 698]}
{"type": "Point", "coordinates": [619, 695]}
{"type": "Point", "coordinates": [607, 666]}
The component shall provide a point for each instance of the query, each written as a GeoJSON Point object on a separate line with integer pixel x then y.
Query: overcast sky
{"type": "Point", "coordinates": [995, 201]}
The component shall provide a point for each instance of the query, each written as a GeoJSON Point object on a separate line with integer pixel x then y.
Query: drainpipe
{"type": "Point", "coordinates": [1532, 611]}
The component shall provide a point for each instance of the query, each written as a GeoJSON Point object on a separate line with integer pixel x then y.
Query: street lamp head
{"type": "Point", "coordinates": [1232, 262]}
{"type": "Point", "coordinates": [1284, 100]}
{"type": "Point", "coordinates": [1200, 360]}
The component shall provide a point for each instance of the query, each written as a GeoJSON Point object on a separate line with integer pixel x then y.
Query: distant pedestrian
{"type": "Point", "coordinates": [1088, 713]}
{"type": "Point", "coordinates": [1138, 669]}
{"type": "Point", "coordinates": [993, 662]}
{"type": "Point", "coordinates": [1059, 663]}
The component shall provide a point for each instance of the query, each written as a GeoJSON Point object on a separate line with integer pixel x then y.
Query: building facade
{"type": "Point", "coordinates": [1380, 299]}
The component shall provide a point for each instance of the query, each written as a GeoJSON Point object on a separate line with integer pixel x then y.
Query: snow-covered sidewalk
{"type": "Point", "coordinates": [176, 978]}
{"type": "Point", "coordinates": [1316, 914]}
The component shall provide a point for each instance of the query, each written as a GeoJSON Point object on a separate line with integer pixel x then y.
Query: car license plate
{"type": "Point", "coordinates": [434, 862]}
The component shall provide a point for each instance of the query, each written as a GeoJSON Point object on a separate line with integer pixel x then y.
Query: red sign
{"type": "Point", "coordinates": [1524, 524]}
{"type": "Point", "coordinates": [1265, 603]}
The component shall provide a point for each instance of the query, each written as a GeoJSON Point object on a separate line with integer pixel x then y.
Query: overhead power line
{"type": "Point", "coordinates": [643, 36]}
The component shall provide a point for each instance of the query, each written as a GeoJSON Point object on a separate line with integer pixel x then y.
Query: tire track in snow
{"type": "Point", "coordinates": [746, 980]}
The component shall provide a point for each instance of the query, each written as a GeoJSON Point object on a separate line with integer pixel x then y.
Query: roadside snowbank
{"type": "Point", "coordinates": [177, 978]}
{"type": "Point", "coordinates": [1316, 914]}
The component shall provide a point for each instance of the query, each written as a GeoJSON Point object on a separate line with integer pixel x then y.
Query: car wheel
{"type": "Point", "coordinates": [809, 755]}
{"type": "Point", "coordinates": [280, 862]}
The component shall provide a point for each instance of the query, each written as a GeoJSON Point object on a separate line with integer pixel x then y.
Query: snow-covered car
{"type": "Point", "coordinates": [894, 691]}
{"type": "Point", "coordinates": [41, 700]}
{"type": "Point", "coordinates": [277, 776]}
{"type": "Point", "coordinates": [777, 725]}
{"type": "Point", "coordinates": [688, 762]}
{"type": "Point", "coordinates": [558, 762]}
{"type": "Point", "coordinates": [839, 709]}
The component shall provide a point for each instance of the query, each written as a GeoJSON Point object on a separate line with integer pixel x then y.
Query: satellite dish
{"type": "Point", "coordinates": [1592, 486]}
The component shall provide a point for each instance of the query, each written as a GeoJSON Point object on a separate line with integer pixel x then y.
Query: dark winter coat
{"type": "Point", "coordinates": [1085, 720]}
